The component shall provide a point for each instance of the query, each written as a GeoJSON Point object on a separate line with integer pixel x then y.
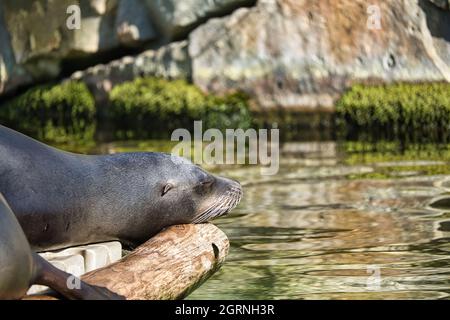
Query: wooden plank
{"type": "Point", "coordinates": [168, 266]}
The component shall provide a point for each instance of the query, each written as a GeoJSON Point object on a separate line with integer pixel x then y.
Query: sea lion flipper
{"type": "Point", "coordinates": [67, 284]}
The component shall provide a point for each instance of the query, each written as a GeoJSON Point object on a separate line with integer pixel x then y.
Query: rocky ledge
{"type": "Point", "coordinates": [294, 54]}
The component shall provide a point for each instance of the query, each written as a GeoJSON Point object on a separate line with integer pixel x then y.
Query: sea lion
{"type": "Point", "coordinates": [20, 267]}
{"type": "Point", "coordinates": [63, 199]}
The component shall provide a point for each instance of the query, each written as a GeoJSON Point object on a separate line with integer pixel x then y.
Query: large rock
{"type": "Point", "coordinates": [175, 18]}
{"type": "Point", "coordinates": [169, 62]}
{"type": "Point", "coordinates": [303, 54]}
{"type": "Point", "coordinates": [444, 4]}
{"type": "Point", "coordinates": [35, 36]}
{"type": "Point", "coordinates": [133, 24]}
{"type": "Point", "coordinates": [9, 70]}
{"type": "Point", "coordinates": [288, 53]}
{"type": "Point", "coordinates": [436, 36]}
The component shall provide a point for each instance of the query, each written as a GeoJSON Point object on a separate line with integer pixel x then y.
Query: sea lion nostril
{"type": "Point", "coordinates": [207, 182]}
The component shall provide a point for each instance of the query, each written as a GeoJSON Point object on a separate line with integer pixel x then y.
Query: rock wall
{"type": "Point", "coordinates": [175, 18]}
{"type": "Point", "coordinates": [303, 54]}
{"type": "Point", "coordinates": [169, 62]}
{"type": "Point", "coordinates": [291, 53]}
{"type": "Point", "coordinates": [35, 37]}
{"type": "Point", "coordinates": [444, 4]}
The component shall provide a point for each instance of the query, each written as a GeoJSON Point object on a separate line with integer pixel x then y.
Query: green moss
{"type": "Point", "coordinates": [155, 107]}
{"type": "Point", "coordinates": [405, 111]}
{"type": "Point", "coordinates": [59, 113]}
{"type": "Point", "coordinates": [143, 108]}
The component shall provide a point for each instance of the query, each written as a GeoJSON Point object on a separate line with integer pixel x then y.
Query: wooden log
{"type": "Point", "coordinates": [168, 266]}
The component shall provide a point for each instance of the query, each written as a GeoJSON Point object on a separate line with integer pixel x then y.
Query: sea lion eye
{"type": "Point", "coordinates": [166, 188]}
{"type": "Point", "coordinates": [207, 182]}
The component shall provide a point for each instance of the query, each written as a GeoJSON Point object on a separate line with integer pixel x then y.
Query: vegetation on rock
{"type": "Point", "coordinates": [59, 113]}
{"type": "Point", "coordinates": [143, 108]}
{"type": "Point", "coordinates": [151, 106]}
{"type": "Point", "coordinates": [416, 112]}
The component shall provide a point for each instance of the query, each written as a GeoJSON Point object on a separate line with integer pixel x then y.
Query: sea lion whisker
{"type": "Point", "coordinates": [200, 217]}
{"type": "Point", "coordinates": [218, 208]}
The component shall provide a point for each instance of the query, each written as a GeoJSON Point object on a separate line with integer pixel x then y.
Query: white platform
{"type": "Point", "coordinates": [82, 259]}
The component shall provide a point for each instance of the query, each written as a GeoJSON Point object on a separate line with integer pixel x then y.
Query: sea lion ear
{"type": "Point", "coordinates": [166, 189]}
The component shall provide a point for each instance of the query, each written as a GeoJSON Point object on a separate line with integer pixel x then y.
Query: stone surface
{"type": "Point", "coordinates": [176, 18]}
{"type": "Point", "coordinates": [35, 37]}
{"type": "Point", "coordinates": [436, 36]}
{"type": "Point", "coordinates": [169, 62]}
{"type": "Point", "coordinates": [133, 24]}
{"type": "Point", "coordinates": [284, 53]}
{"type": "Point", "coordinates": [11, 74]}
{"type": "Point", "coordinates": [303, 54]}
{"type": "Point", "coordinates": [444, 4]}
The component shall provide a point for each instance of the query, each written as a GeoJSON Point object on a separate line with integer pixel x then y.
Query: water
{"type": "Point", "coordinates": [336, 222]}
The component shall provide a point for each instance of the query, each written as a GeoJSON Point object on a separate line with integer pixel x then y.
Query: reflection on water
{"type": "Point", "coordinates": [330, 221]}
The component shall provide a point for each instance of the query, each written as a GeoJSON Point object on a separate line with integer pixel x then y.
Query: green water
{"type": "Point", "coordinates": [337, 222]}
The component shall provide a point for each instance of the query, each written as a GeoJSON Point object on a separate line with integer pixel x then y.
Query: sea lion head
{"type": "Point", "coordinates": [149, 191]}
{"type": "Point", "coordinates": [192, 195]}
{"type": "Point", "coordinates": [169, 190]}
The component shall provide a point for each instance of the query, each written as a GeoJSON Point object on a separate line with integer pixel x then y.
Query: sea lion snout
{"type": "Point", "coordinates": [228, 193]}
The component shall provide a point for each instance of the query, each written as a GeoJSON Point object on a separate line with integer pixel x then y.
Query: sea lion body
{"type": "Point", "coordinates": [16, 260]}
{"type": "Point", "coordinates": [20, 267]}
{"type": "Point", "coordinates": [63, 199]}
